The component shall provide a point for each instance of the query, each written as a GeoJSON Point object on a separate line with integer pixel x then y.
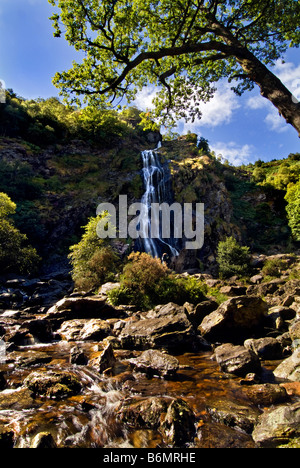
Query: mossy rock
{"type": "Point", "coordinates": [53, 384]}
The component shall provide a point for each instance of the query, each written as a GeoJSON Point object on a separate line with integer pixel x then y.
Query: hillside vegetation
{"type": "Point", "coordinates": [57, 163]}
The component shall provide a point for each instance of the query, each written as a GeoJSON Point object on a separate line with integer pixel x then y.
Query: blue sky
{"type": "Point", "coordinates": [242, 129]}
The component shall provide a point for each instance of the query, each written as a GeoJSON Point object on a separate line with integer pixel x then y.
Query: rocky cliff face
{"type": "Point", "coordinates": [234, 206]}
{"type": "Point", "coordinates": [58, 188]}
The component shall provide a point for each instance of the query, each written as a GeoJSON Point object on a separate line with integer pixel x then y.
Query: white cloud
{"type": "Point", "coordinates": [144, 98]}
{"type": "Point", "coordinates": [218, 111]}
{"type": "Point", "coordinates": [276, 122]}
{"type": "Point", "coordinates": [273, 119]}
{"type": "Point", "coordinates": [257, 102]}
{"type": "Point", "coordinates": [235, 154]}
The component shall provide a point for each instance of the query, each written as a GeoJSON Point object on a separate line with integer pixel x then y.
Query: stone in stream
{"type": "Point", "coordinates": [234, 319]}
{"type": "Point", "coordinates": [53, 384]}
{"type": "Point", "coordinates": [78, 357]}
{"type": "Point", "coordinates": [172, 417]}
{"type": "Point", "coordinates": [106, 358]}
{"type": "Point", "coordinates": [279, 427]}
{"type": "Point", "coordinates": [289, 368]}
{"type": "Point", "coordinates": [265, 348]}
{"type": "Point", "coordinates": [237, 360]}
{"type": "Point", "coordinates": [266, 394]}
{"type": "Point", "coordinates": [43, 440]}
{"type": "Point", "coordinates": [84, 330]}
{"type": "Point", "coordinates": [165, 327]}
{"type": "Point", "coordinates": [153, 362]}
{"type": "Point", "coordinates": [233, 414]}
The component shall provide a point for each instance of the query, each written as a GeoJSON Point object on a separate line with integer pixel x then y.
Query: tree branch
{"type": "Point", "coordinates": [165, 52]}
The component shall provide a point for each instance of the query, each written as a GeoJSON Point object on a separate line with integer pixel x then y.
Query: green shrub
{"type": "Point", "coordinates": [180, 290]}
{"type": "Point", "coordinates": [274, 267]}
{"type": "Point", "coordinates": [147, 282]}
{"type": "Point", "coordinates": [16, 255]}
{"type": "Point", "coordinates": [126, 296]}
{"type": "Point", "coordinates": [93, 259]}
{"type": "Point", "coordinates": [293, 209]}
{"type": "Point", "coordinates": [142, 272]}
{"type": "Point", "coordinates": [232, 258]}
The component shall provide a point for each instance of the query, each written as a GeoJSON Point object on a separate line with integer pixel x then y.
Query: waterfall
{"type": "Point", "coordinates": [156, 180]}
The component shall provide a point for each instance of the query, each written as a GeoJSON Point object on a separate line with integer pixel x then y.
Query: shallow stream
{"type": "Point", "coordinates": [90, 419]}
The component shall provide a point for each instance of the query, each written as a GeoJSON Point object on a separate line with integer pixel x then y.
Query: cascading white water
{"type": "Point", "coordinates": [156, 191]}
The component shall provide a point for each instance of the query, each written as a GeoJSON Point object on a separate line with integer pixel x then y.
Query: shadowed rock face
{"type": "Point", "coordinates": [167, 327]}
{"type": "Point", "coordinates": [172, 416]}
{"type": "Point", "coordinates": [234, 319]}
{"type": "Point", "coordinates": [237, 359]}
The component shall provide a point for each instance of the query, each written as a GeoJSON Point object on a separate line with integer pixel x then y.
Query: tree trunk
{"type": "Point", "coordinates": [271, 88]}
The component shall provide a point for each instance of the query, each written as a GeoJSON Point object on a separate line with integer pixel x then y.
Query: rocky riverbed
{"type": "Point", "coordinates": [78, 372]}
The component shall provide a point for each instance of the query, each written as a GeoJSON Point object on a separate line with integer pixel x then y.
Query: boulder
{"type": "Point", "coordinates": [40, 329]}
{"type": "Point", "coordinates": [153, 362]}
{"type": "Point", "coordinates": [29, 358]}
{"type": "Point", "coordinates": [19, 337]}
{"type": "Point", "coordinates": [78, 357]}
{"type": "Point", "coordinates": [265, 348]}
{"type": "Point", "coordinates": [286, 313]}
{"type": "Point", "coordinates": [232, 291]}
{"type": "Point", "coordinates": [164, 327]}
{"type": "Point", "coordinates": [265, 289]}
{"type": "Point", "coordinates": [178, 425]}
{"type": "Point", "coordinates": [84, 330]}
{"type": "Point", "coordinates": [143, 412]}
{"type": "Point", "coordinates": [84, 308]}
{"type": "Point", "coordinates": [294, 331]}
{"type": "Point", "coordinates": [289, 368]}
{"type": "Point", "coordinates": [43, 440]}
{"type": "Point", "coordinates": [279, 427]}
{"type": "Point", "coordinates": [237, 360]}
{"type": "Point", "coordinates": [197, 313]}
{"type": "Point", "coordinates": [53, 384]}
{"type": "Point", "coordinates": [105, 360]}
{"type": "Point", "coordinates": [172, 417]}
{"type": "Point", "coordinates": [266, 394]}
{"type": "Point", "coordinates": [234, 319]}
{"type": "Point", "coordinates": [217, 435]}
{"type": "Point", "coordinates": [232, 414]}
{"type": "Point", "coordinates": [256, 279]}
{"type": "Point", "coordinates": [107, 287]}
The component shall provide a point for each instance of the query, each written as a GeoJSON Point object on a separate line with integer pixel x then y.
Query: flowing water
{"type": "Point", "coordinates": [157, 185]}
{"type": "Point", "coordinates": [89, 419]}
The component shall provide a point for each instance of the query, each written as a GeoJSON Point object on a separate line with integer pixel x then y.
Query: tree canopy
{"type": "Point", "coordinates": [182, 46]}
{"type": "Point", "coordinates": [16, 255]}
